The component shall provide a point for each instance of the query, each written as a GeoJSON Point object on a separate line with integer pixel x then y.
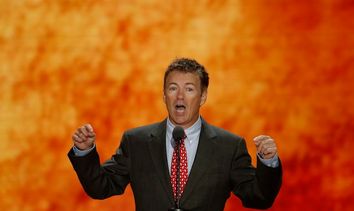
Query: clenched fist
{"type": "Point", "coordinates": [266, 146]}
{"type": "Point", "coordinates": [84, 137]}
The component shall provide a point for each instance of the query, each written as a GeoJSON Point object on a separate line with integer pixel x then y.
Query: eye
{"type": "Point", "coordinates": [189, 89]}
{"type": "Point", "coordinates": [172, 88]}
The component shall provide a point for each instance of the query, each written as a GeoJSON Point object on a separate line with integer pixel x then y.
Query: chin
{"type": "Point", "coordinates": [179, 121]}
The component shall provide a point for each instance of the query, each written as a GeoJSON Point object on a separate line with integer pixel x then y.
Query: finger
{"type": "Point", "coordinates": [83, 130]}
{"type": "Point", "coordinates": [269, 150]}
{"type": "Point", "coordinates": [91, 136]}
{"type": "Point", "coordinates": [90, 132]}
{"type": "Point", "coordinates": [266, 144]}
{"type": "Point", "coordinates": [263, 146]}
{"type": "Point", "coordinates": [74, 137]}
{"type": "Point", "coordinates": [77, 139]}
{"type": "Point", "coordinates": [261, 137]}
{"type": "Point", "coordinates": [89, 128]}
{"type": "Point", "coordinates": [81, 135]}
{"type": "Point", "coordinates": [270, 153]}
{"type": "Point", "coordinates": [258, 139]}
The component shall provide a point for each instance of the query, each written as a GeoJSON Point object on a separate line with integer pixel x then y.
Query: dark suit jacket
{"type": "Point", "coordinates": [222, 165]}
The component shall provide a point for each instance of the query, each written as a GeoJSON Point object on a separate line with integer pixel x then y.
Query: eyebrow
{"type": "Point", "coordinates": [173, 83]}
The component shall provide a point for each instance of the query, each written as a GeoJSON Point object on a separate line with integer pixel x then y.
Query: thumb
{"type": "Point", "coordinates": [257, 141]}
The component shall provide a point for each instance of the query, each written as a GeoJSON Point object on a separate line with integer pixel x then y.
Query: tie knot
{"type": "Point", "coordinates": [176, 142]}
{"type": "Point", "coordinates": [178, 133]}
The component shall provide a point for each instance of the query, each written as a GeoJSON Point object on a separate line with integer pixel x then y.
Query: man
{"type": "Point", "coordinates": [214, 161]}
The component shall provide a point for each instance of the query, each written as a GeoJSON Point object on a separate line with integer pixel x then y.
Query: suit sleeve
{"type": "Point", "coordinates": [256, 187]}
{"type": "Point", "coordinates": [102, 181]}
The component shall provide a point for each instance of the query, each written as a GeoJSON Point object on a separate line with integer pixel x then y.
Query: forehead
{"type": "Point", "coordinates": [182, 77]}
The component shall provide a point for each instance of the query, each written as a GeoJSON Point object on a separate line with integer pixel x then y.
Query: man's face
{"type": "Point", "coordinates": [183, 97]}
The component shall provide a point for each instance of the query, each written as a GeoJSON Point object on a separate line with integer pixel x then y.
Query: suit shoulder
{"type": "Point", "coordinates": [143, 130]}
{"type": "Point", "coordinates": [225, 134]}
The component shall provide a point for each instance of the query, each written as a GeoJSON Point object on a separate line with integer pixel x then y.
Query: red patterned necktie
{"type": "Point", "coordinates": [183, 175]}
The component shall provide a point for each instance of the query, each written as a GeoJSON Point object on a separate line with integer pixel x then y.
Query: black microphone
{"type": "Point", "coordinates": [178, 135]}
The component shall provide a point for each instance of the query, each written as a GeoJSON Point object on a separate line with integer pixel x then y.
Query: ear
{"type": "Point", "coordinates": [204, 97]}
{"type": "Point", "coordinates": [164, 97]}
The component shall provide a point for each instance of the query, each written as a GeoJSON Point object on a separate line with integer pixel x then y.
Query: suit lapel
{"type": "Point", "coordinates": [205, 153]}
{"type": "Point", "coordinates": [157, 147]}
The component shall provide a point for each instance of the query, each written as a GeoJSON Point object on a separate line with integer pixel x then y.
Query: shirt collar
{"type": "Point", "coordinates": [191, 132]}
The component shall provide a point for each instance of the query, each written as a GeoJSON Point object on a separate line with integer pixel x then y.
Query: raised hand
{"type": "Point", "coordinates": [84, 137]}
{"type": "Point", "coordinates": [266, 146]}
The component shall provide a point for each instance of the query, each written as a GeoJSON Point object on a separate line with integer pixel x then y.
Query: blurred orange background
{"type": "Point", "coordinates": [283, 68]}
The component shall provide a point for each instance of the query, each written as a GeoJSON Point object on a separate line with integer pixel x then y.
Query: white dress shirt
{"type": "Point", "coordinates": [191, 142]}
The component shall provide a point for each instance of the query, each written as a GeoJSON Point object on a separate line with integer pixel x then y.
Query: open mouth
{"type": "Point", "coordinates": [180, 107]}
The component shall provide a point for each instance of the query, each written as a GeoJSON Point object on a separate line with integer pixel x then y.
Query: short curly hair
{"type": "Point", "coordinates": [187, 65]}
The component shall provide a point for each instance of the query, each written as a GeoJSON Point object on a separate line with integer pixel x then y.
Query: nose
{"type": "Point", "coordinates": [180, 94]}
